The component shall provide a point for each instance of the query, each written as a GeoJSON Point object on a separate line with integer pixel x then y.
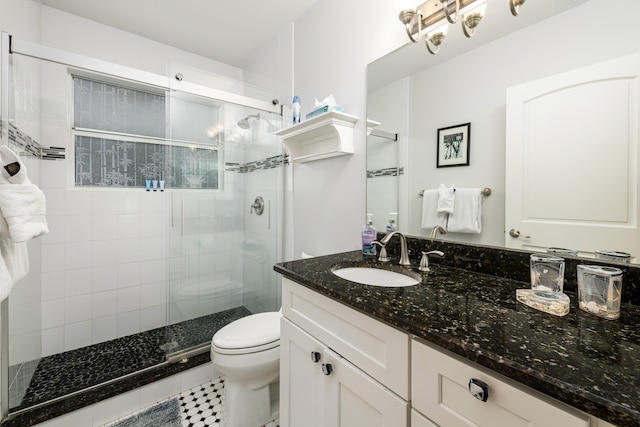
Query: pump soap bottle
{"type": "Point", "coordinates": [392, 224]}
{"type": "Point", "coordinates": [368, 237]}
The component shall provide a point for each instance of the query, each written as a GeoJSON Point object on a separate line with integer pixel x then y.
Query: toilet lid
{"type": "Point", "coordinates": [256, 330]}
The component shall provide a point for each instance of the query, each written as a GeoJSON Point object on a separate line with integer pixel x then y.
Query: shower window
{"type": "Point", "coordinates": [120, 139]}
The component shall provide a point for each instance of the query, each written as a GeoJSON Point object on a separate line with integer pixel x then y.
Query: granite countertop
{"type": "Point", "coordinates": [590, 363]}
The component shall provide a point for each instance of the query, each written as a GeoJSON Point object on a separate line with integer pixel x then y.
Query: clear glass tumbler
{"type": "Point", "coordinates": [600, 290]}
{"type": "Point", "coordinates": [547, 272]}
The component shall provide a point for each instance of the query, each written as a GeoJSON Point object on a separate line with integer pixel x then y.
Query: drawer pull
{"type": "Point", "coordinates": [327, 368]}
{"type": "Point", "coordinates": [479, 389]}
{"type": "Point", "coordinates": [315, 356]}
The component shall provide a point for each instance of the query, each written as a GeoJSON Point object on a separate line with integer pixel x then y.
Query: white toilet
{"type": "Point", "coordinates": [247, 352]}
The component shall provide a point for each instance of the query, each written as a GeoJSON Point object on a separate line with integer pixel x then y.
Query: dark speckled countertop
{"type": "Point", "coordinates": [587, 362]}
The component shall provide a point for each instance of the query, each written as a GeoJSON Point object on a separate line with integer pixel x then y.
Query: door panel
{"type": "Point", "coordinates": [572, 160]}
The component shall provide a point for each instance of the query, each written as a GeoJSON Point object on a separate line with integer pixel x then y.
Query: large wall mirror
{"type": "Point", "coordinates": [581, 57]}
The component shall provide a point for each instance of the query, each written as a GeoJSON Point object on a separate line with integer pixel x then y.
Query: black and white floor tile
{"type": "Point", "coordinates": [203, 406]}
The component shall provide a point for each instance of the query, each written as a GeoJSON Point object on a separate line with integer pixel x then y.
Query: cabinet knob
{"type": "Point", "coordinates": [479, 389]}
{"type": "Point", "coordinates": [315, 356]}
{"type": "Point", "coordinates": [327, 368]}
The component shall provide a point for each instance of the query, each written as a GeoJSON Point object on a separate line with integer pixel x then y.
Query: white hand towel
{"type": "Point", "coordinates": [14, 265]}
{"type": "Point", "coordinates": [445, 199]}
{"type": "Point", "coordinates": [22, 204]}
{"type": "Point", "coordinates": [430, 215]}
{"type": "Point", "coordinates": [467, 217]}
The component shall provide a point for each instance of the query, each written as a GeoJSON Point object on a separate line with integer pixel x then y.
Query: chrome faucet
{"type": "Point", "coordinates": [424, 262]}
{"type": "Point", "coordinates": [404, 253]}
{"type": "Point", "coordinates": [437, 229]}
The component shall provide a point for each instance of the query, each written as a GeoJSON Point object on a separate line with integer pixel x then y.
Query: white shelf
{"type": "Point", "coordinates": [327, 135]}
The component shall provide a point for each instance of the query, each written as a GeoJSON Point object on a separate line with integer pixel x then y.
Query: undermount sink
{"type": "Point", "coordinates": [375, 276]}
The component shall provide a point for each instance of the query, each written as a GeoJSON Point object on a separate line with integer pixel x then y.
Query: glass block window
{"type": "Point", "coordinates": [119, 140]}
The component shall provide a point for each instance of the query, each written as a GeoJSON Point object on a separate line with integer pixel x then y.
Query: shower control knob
{"type": "Point", "coordinates": [315, 356]}
{"type": "Point", "coordinates": [327, 368]}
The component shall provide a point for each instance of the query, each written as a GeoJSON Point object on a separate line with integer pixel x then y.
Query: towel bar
{"type": "Point", "coordinates": [486, 192]}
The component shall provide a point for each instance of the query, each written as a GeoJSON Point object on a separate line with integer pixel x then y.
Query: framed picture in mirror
{"type": "Point", "coordinates": [453, 145]}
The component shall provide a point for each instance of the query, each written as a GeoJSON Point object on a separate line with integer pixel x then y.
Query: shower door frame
{"type": "Point", "coordinates": [10, 45]}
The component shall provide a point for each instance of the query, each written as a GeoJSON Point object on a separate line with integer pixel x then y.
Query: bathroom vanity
{"type": "Point", "coordinates": [454, 350]}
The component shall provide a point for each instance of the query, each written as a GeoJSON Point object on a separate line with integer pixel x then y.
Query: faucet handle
{"type": "Point", "coordinates": [383, 252]}
{"type": "Point", "coordinates": [424, 262]}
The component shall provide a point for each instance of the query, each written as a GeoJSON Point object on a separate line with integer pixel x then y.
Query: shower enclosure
{"type": "Point", "coordinates": [164, 208]}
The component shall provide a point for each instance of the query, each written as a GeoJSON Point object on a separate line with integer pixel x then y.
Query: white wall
{"type": "Point", "coordinates": [333, 43]}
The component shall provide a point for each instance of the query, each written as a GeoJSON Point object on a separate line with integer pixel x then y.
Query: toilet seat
{"type": "Point", "coordinates": [250, 334]}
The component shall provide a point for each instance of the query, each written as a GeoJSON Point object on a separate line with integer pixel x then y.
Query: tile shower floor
{"type": "Point", "coordinates": [59, 375]}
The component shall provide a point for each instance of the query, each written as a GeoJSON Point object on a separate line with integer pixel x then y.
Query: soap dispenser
{"type": "Point", "coordinates": [368, 237]}
{"type": "Point", "coordinates": [392, 224]}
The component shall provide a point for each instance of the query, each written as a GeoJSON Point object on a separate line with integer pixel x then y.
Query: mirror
{"type": "Point", "coordinates": [412, 93]}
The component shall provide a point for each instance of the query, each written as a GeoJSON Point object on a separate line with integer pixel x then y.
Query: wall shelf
{"type": "Point", "coordinates": [327, 135]}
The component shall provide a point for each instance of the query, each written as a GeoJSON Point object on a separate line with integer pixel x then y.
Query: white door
{"type": "Point", "coordinates": [301, 378]}
{"type": "Point", "coordinates": [354, 399]}
{"type": "Point", "coordinates": [572, 160]}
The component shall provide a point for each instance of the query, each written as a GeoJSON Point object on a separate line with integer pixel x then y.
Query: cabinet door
{"type": "Point", "coordinates": [419, 420]}
{"type": "Point", "coordinates": [354, 399]}
{"type": "Point", "coordinates": [301, 379]}
{"type": "Point", "coordinates": [440, 390]}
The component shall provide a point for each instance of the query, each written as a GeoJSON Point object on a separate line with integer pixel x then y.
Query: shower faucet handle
{"type": "Point", "coordinates": [258, 205]}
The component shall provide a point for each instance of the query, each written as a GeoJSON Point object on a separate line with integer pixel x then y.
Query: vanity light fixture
{"type": "Point", "coordinates": [432, 13]}
{"type": "Point", "coordinates": [445, 7]}
{"type": "Point", "coordinates": [515, 6]}
{"type": "Point", "coordinates": [435, 37]}
{"type": "Point", "coordinates": [471, 19]}
{"type": "Point", "coordinates": [407, 17]}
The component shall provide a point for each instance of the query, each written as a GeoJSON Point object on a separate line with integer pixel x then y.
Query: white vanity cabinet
{"type": "Point", "coordinates": [441, 391]}
{"type": "Point", "coordinates": [339, 367]}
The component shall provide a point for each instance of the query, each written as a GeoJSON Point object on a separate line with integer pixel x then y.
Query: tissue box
{"type": "Point", "coordinates": [323, 109]}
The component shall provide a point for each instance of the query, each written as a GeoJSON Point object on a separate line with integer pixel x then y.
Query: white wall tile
{"type": "Point", "coordinates": [52, 341]}
{"type": "Point", "coordinates": [53, 313]}
{"type": "Point", "coordinates": [151, 295]}
{"type": "Point", "coordinates": [104, 329]}
{"type": "Point", "coordinates": [53, 258]}
{"type": "Point", "coordinates": [159, 391]}
{"type": "Point", "coordinates": [105, 278]}
{"type": "Point", "coordinates": [77, 202]}
{"type": "Point", "coordinates": [129, 202]}
{"type": "Point", "coordinates": [129, 226]}
{"type": "Point", "coordinates": [104, 253]}
{"type": "Point", "coordinates": [128, 323]}
{"type": "Point", "coordinates": [78, 308]}
{"type": "Point", "coordinates": [104, 303]}
{"type": "Point", "coordinates": [57, 229]}
{"type": "Point", "coordinates": [77, 335]}
{"type": "Point", "coordinates": [78, 282]}
{"type": "Point", "coordinates": [196, 376]}
{"type": "Point", "coordinates": [129, 250]}
{"type": "Point", "coordinates": [152, 225]}
{"type": "Point", "coordinates": [151, 248]}
{"type": "Point", "coordinates": [104, 227]}
{"type": "Point", "coordinates": [128, 275]}
{"type": "Point", "coordinates": [77, 228]}
{"type": "Point", "coordinates": [77, 255]}
{"type": "Point", "coordinates": [128, 299]}
{"type": "Point", "coordinates": [53, 284]}
{"type": "Point", "coordinates": [104, 202]}
{"type": "Point", "coordinates": [151, 318]}
{"type": "Point", "coordinates": [151, 272]}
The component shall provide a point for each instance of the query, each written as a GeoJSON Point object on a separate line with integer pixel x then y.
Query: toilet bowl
{"type": "Point", "coordinates": [247, 353]}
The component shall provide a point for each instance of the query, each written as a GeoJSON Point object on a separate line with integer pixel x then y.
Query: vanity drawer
{"type": "Point", "coordinates": [440, 391]}
{"type": "Point", "coordinates": [376, 348]}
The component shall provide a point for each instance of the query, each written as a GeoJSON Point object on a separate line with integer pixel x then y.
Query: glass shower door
{"type": "Point", "coordinates": [218, 271]}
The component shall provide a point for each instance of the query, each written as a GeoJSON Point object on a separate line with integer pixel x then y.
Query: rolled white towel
{"type": "Point", "coordinates": [23, 207]}
{"type": "Point", "coordinates": [22, 203]}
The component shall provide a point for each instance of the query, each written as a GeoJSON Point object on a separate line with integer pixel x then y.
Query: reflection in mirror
{"type": "Point", "coordinates": [413, 93]}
